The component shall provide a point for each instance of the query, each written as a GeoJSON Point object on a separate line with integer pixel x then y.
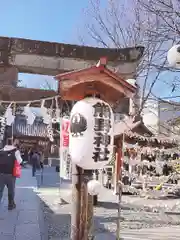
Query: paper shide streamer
{"type": "Point", "coordinates": [9, 116]}
{"type": "Point", "coordinates": [29, 114]}
{"type": "Point", "coordinates": [50, 116]}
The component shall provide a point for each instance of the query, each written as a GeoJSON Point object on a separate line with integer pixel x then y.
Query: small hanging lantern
{"type": "Point", "coordinates": [94, 187]}
{"type": "Point", "coordinates": [50, 132]}
{"type": "Point", "coordinates": [173, 56]}
{"type": "Point", "coordinates": [91, 133]}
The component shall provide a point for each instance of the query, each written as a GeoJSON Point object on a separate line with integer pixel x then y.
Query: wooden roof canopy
{"type": "Point", "coordinates": [97, 79]}
{"type": "Point", "coordinates": [138, 132]}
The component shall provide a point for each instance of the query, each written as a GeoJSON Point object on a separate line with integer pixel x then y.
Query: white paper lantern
{"type": "Point", "coordinates": [173, 56]}
{"type": "Point", "coordinates": [91, 133]}
{"type": "Point", "coordinates": [94, 187]}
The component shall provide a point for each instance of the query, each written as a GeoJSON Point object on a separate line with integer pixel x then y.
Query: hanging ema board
{"type": "Point", "coordinates": [91, 133]}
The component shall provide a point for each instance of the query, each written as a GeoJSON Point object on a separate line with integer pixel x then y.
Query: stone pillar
{"type": "Point", "coordinates": [8, 75]}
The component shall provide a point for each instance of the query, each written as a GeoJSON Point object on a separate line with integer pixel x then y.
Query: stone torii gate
{"type": "Point", "coordinates": [48, 58]}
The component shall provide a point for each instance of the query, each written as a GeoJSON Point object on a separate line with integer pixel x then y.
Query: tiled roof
{"type": "Point", "coordinates": [21, 128]}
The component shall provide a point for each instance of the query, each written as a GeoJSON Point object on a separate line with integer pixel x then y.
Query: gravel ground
{"type": "Point", "coordinates": [133, 216]}
{"type": "Point", "coordinates": [57, 218]}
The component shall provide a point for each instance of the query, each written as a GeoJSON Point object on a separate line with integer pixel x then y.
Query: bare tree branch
{"type": "Point", "coordinates": [154, 24]}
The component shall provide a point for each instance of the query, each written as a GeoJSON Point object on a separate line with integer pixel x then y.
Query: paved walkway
{"type": "Point", "coordinates": [25, 222]}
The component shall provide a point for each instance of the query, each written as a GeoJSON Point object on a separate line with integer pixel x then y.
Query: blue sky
{"type": "Point", "coordinates": [55, 20]}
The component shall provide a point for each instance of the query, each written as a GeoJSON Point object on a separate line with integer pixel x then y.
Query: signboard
{"type": "Point", "coordinates": [65, 161]}
{"type": "Point", "coordinates": [65, 133]}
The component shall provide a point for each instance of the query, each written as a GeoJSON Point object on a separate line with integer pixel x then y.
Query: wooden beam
{"type": "Point", "coordinates": [15, 94]}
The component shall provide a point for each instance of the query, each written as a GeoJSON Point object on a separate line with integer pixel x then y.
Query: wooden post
{"type": "Point", "coordinates": [76, 202]}
{"type": "Point", "coordinates": [88, 202]}
{"type": "Point", "coordinates": [82, 204]}
{"type": "Point", "coordinates": [120, 158]}
{"type": "Point", "coordinates": [118, 166]}
{"type": "Point", "coordinates": [95, 197]}
{"type": "Point", "coordinates": [82, 210]}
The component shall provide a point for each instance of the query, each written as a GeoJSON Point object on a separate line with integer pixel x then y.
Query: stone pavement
{"type": "Point", "coordinates": [26, 221]}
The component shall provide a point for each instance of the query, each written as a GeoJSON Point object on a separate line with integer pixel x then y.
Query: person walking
{"type": "Point", "coordinates": [41, 154]}
{"type": "Point", "coordinates": [35, 160]}
{"type": "Point", "coordinates": [30, 153]}
{"type": "Point", "coordinates": [8, 155]}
